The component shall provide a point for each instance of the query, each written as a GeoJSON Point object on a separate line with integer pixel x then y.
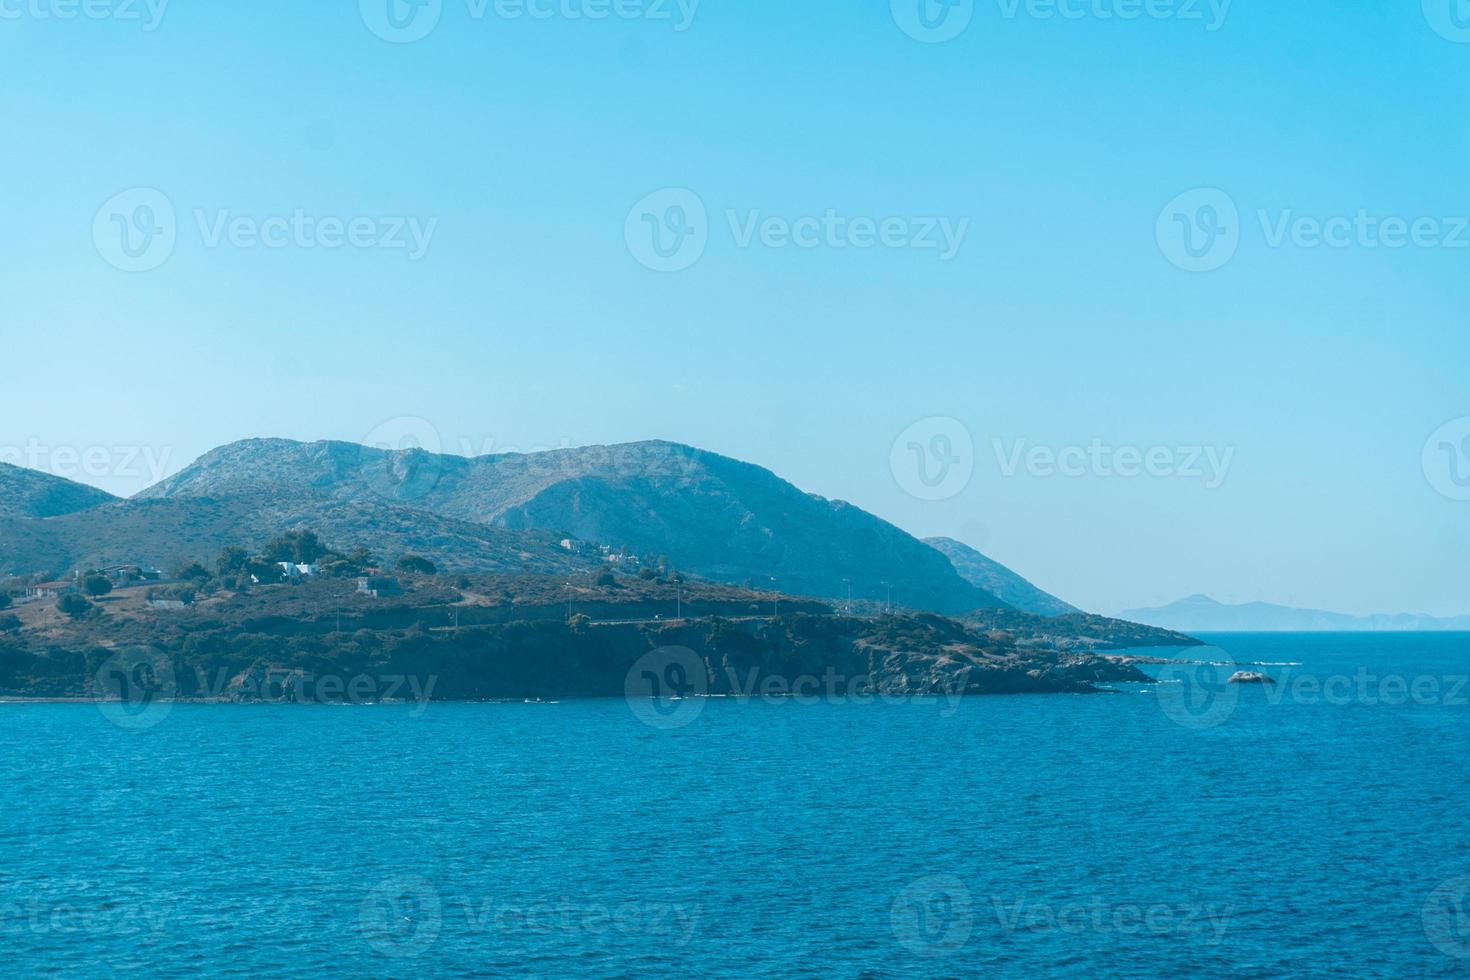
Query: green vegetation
{"type": "Point", "coordinates": [96, 584]}
{"type": "Point", "coordinates": [416, 565]}
{"type": "Point", "coordinates": [237, 569]}
{"type": "Point", "coordinates": [299, 547]}
{"type": "Point", "coordinates": [74, 606]}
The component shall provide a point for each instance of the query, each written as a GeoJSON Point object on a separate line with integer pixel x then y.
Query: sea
{"type": "Point", "coordinates": [1316, 826]}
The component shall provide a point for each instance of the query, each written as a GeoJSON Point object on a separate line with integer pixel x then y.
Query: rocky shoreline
{"type": "Point", "coordinates": [795, 655]}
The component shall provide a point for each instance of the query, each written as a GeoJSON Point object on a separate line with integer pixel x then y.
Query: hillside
{"type": "Point", "coordinates": [999, 580]}
{"type": "Point", "coordinates": [710, 515]}
{"type": "Point", "coordinates": [170, 533]}
{"type": "Point", "coordinates": [29, 493]}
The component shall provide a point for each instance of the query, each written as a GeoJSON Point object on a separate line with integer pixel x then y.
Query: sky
{"type": "Point", "coordinates": [1143, 298]}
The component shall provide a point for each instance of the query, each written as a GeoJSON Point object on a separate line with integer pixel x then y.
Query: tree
{"type": "Point", "coordinates": [579, 623]}
{"type": "Point", "coordinates": [195, 571]}
{"type": "Point", "coordinates": [5, 600]}
{"type": "Point", "coordinates": [74, 605]}
{"type": "Point", "coordinates": [231, 561]}
{"type": "Point", "coordinates": [300, 547]}
{"type": "Point", "coordinates": [416, 564]}
{"type": "Point", "coordinates": [358, 563]}
{"type": "Point", "coordinates": [9, 623]}
{"type": "Point", "coordinates": [96, 584]}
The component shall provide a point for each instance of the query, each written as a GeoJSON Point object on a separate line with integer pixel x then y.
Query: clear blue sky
{"type": "Point", "coordinates": [530, 323]}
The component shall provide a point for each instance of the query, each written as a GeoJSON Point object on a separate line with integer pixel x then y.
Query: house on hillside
{"type": "Point", "coordinates": [50, 590]}
{"type": "Point", "coordinates": [379, 586]}
{"type": "Point", "coordinates": [298, 570]}
{"type": "Point", "coordinates": [129, 573]}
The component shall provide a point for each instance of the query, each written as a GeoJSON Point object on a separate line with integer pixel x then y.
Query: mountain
{"type": "Point", "coordinates": [1200, 613]}
{"type": "Point", "coordinates": [28, 493]}
{"type": "Point", "coordinates": [998, 580]}
{"type": "Point", "coordinates": [710, 515]}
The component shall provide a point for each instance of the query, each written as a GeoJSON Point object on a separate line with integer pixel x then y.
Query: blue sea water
{"type": "Point", "coordinates": [1187, 829]}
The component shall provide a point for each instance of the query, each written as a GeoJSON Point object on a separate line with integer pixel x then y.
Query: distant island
{"type": "Point", "coordinates": [1201, 614]}
{"type": "Point", "coordinates": [512, 576]}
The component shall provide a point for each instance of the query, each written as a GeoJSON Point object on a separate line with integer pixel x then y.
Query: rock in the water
{"type": "Point", "coordinates": [1250, 677]}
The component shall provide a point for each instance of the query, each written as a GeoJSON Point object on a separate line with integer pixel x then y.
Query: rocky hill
{"type": "Point", "coordinates": [31, 494]}
{"type": "Point", "coordinates": [1000, 581]}
{"type": "Point", "coordinates": [708, 514]}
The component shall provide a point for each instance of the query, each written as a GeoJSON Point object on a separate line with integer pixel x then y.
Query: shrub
{"type": "Point", "coordinates": [9, 623]}
{"type": "Point", "coordinates": [74, 605]}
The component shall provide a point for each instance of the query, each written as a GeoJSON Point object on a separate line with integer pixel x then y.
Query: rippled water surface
{"type": "Point", "coordinates": [1184, 829]}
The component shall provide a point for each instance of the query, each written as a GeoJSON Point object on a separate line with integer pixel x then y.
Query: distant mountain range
{"type": "Point", "coordinates": [1202, 614]}
{"type": "Point", "coordinates": [710, 515]}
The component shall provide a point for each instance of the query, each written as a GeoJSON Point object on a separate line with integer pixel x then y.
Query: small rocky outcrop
{"type": "Point", "coordinates": [1249, 677]}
